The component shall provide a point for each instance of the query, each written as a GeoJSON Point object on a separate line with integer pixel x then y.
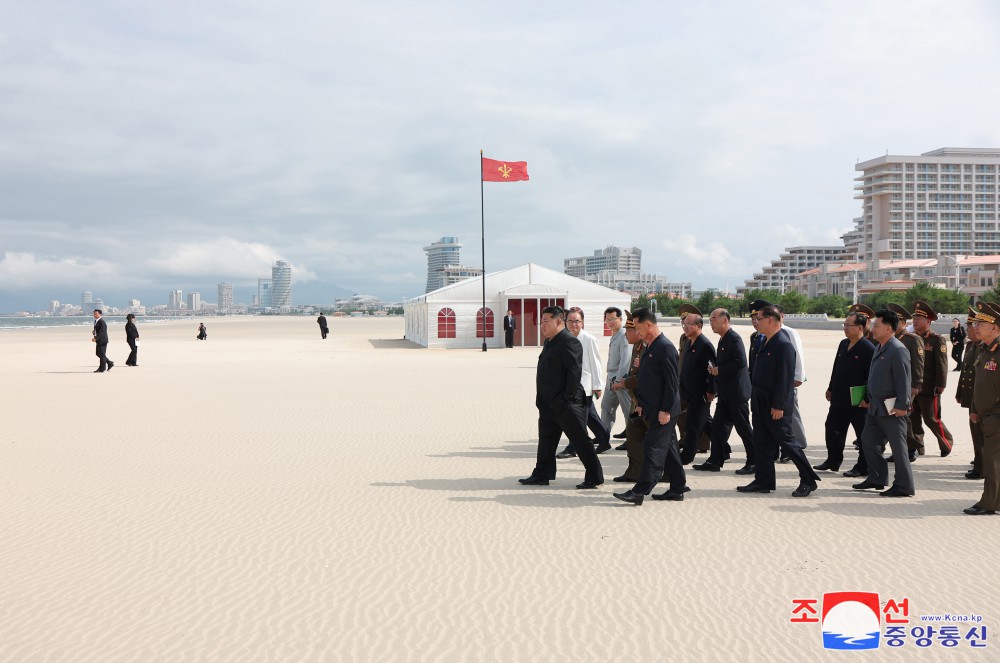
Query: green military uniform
{"type": "Point", "coordinates": [635, 426]}
{"type": "Point", "coordinates": [927, 403]}
{"type": "Point", "coordinates": [986, 404]}
{"type": "Point", "coordinates": [963, 394]}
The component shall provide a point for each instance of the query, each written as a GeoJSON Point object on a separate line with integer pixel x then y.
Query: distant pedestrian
{"type": "Point", "coordinates": [202, 332]}
{"type": "Point", "coordinates": [323, 329]}
{"type": "Point", "coordinates": [101, 339]}
{"type": "Point", "coordinates": [132, 338]}
{"type": "Point", "coordinates": [957, 335]}
{"type": "Point", "coordinates": [509, 327]}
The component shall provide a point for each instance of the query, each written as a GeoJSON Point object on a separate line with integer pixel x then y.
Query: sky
{"type": "Point", "coordinates": [153, 146]}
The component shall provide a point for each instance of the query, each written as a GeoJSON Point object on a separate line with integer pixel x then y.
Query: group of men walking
{"type": "Point", "coordinates": [885, 385]}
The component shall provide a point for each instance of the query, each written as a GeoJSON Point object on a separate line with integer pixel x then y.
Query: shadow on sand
{"type": "Point", "coordinates": [394, 344]}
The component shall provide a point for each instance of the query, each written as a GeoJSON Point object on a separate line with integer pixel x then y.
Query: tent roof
{"type": "Point", "coordinates": [527, 279]}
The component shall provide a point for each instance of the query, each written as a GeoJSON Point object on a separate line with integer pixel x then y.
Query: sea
{"type": "Point", "coordinates": [40, 322]}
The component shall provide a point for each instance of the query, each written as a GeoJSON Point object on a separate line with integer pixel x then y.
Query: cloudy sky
{"type": "Point", "coordinates": [148, 146]}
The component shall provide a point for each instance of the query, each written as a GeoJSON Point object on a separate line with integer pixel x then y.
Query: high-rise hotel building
{"type": "Point", "coordinates": [225, 296]}
{"type": "Point", "coordinates": [942, 202]}
{"type": "Point", "coordinates": [440, 255]}
{"type": "Point", "coordinates": [281, 284]}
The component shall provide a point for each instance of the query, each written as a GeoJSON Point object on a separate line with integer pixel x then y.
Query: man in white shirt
{"type": "Point", "coordinates": [619, 360]}
{"type": "Point", "coordinates": [592, 381]}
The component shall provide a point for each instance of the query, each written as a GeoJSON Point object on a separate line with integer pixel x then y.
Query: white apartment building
{"type": "Point", "coordinates": [611, 259]}
{"type": "Point", "coordinates": [943, 202]}
{"type": "Point", "coordinates": [795, 260]}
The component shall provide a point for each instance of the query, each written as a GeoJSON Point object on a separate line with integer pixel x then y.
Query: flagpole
{"type": "Point", "coordinates": [482, 227]}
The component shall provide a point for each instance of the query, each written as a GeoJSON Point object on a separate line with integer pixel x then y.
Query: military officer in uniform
{"type": "Point", "coordinates": [927, 404]}
{"type": "Point", "coordinates": [964, 393]}
{"type": "Point", "coordinates": [635, 425]}
{"type": "Point", "coordinates": [986, 403]}
{"type": "Point", "coordinates": [869, 315]}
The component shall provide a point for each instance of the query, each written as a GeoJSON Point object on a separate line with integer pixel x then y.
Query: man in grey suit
{"type": "Point", "coordinates": [619, 362]}
{"type": "Point", "coordinates": [888, 385]}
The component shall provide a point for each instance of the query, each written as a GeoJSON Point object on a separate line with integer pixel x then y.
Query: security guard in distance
{"type": "Point", "coordinates": [927, 404]}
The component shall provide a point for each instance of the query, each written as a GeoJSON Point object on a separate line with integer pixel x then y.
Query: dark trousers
{"type": "Point", "coordinates": [956, 353]}
{"type": "Point", "coordinates": [695, 419]}
{"type": "Point", "coordinates": [635, 432]}
{"type": "Point", "coordinates": [133, 357]}
{"type": "Point", "coordinates": [602, 436]}
{"type": "Point", "coordinates": [729, 415]}
{"type": "Point", "coordinates": [323, 331]}
{"type": "Point", "coordinates": [571, 421]}
{"type": "Point", "coordinates": [768, 437]}
{"type": "Point", "coordinates": [102, 349]}
{"type": "Point", "coordinates": [878, 431]}
{"type": "Point", "coordinates": [838, 421]}
{"type": "Point", "coordinates": [659, 451]}
{"type": "Point", "coordinates": [976, 428]}
{"type": "Point", "coordinates": [928, 408]}
{"type": "Point", "coordinates": [508, 338]}
{"type": "Point", "coordinates": [991, 463]}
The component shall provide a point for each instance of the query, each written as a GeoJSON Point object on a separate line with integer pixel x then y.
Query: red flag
{"type": "Point", "coordinates": [504, 171]}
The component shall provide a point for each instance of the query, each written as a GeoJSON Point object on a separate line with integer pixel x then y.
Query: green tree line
{"type": "Point", "coordinates": [940, 299]}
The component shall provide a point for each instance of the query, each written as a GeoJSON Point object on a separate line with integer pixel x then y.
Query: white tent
{"type": "Point", "coordinates": [449, 317]}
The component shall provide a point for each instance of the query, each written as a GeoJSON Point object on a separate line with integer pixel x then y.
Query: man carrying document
{"type": "Point", "coordinates": [888, 404]}
{"type": "Point", "coordinates": [846, 392]}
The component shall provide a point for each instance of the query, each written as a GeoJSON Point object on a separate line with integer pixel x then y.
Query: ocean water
{"type": "Point", "coordinates": [10, 322]}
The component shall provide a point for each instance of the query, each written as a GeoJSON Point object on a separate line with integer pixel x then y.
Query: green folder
{"type": "Point", "coordinates": [858, 394]}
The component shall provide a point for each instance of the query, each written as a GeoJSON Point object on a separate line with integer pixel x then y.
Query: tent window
{"type": "Point", "coordinates": [446, 323]}
{"type": "Point", "coordinates": [489, 323]}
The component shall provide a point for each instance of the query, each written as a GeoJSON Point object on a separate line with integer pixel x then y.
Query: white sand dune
{"type": "Point", "coordinates": [269, 496]}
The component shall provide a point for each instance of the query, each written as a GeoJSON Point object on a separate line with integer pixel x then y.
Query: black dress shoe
{"type": "Point", "coordinates": [746, 469]}
{"type": "Point", "coordinates": [974, 475]}
{"type": "Point", "coordinates": [979, 511]}
{"type": "Point", "coordinates": [533, 481]}
{"type": "Point", "coordinates": [895, 492]}
{"type": "Point", "coordinates": [588, 485]}
{"type": "Point", "coordinates": [624, 479]}
{"type": "Point", "coordinates": [827, 465]}
{"type": "Point", "coordinates": [804, 489]}
{"type": "Point", "coordinates": [866, 484]}
{"type": "Point", "coordinates": [753, 487]}
{"type": "Point", "coordinates": [98, 371]}
{"type": "Point", "coordinates": [111, 365]}
{"type": "Point", "coordinates": [619, 436]}
{"type": "Point", "coordinates": [707, 466]}
{"type": "Point", "coordinates": [562, 455]}
{"type": "Point", "coordinates": [852, 473]}
{"type": "Point", "coordinates": [621, 447]}
{"type": "Point", "coordinates": [630, 497]}
{"type": "Point", "coordinates": [603, 447]}
{"type": "Point", "coordinates": [669, 496]}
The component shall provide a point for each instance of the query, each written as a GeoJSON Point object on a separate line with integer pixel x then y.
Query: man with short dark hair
{"type": "Point", "coordinates": [659, 405]}
{"type": "Point", "coordinates": [509, 326]}
{"type": "Point", "coordinates": [561, 405]}
{"type": "Point", "coordinates": [100, 337]}
{"type": "Point", "coordinates": [323, 328]}
{"type": "Point", "coordinates": [619, 358]}
{"type": "Point", "coordinates": [732, 385]}
{"type": "Point", "coordinates": [888, 404]}
{"type": "Point", "coordinates": [771, 401]}
{"type": "Point", "coordinates": [696, 384]}
{"type": "Point", "coordinates": [845, 392]}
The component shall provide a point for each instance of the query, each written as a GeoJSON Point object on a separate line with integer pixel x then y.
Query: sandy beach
{"type": "Point", "coordinates": [269, 496]}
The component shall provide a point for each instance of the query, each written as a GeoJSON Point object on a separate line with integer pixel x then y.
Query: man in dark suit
{"type": "Point", "coordinates": [509, 325]}
{"type": "Point", "coordinates": [850, 372]}
{"type": "Point", "coordinates": [696, 384]}
{"type": "Point", "coordinates": [732, 386]}
{"type": "Point", "coordinates": [561, 403]}
{"type": "Point", "coordinates": [101, 339]}
{"type": "Point", "coordinates": [659, 404]}
{"type": "Point", "coordinates": [772, 399]}
{"type": "Point", "coordinates": [323, 329]}
{"type": "Point", "coordinates": [888, 382]}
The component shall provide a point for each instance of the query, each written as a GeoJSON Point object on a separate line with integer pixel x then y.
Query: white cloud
{"type": "Point", "coordinates": [23, 270]}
